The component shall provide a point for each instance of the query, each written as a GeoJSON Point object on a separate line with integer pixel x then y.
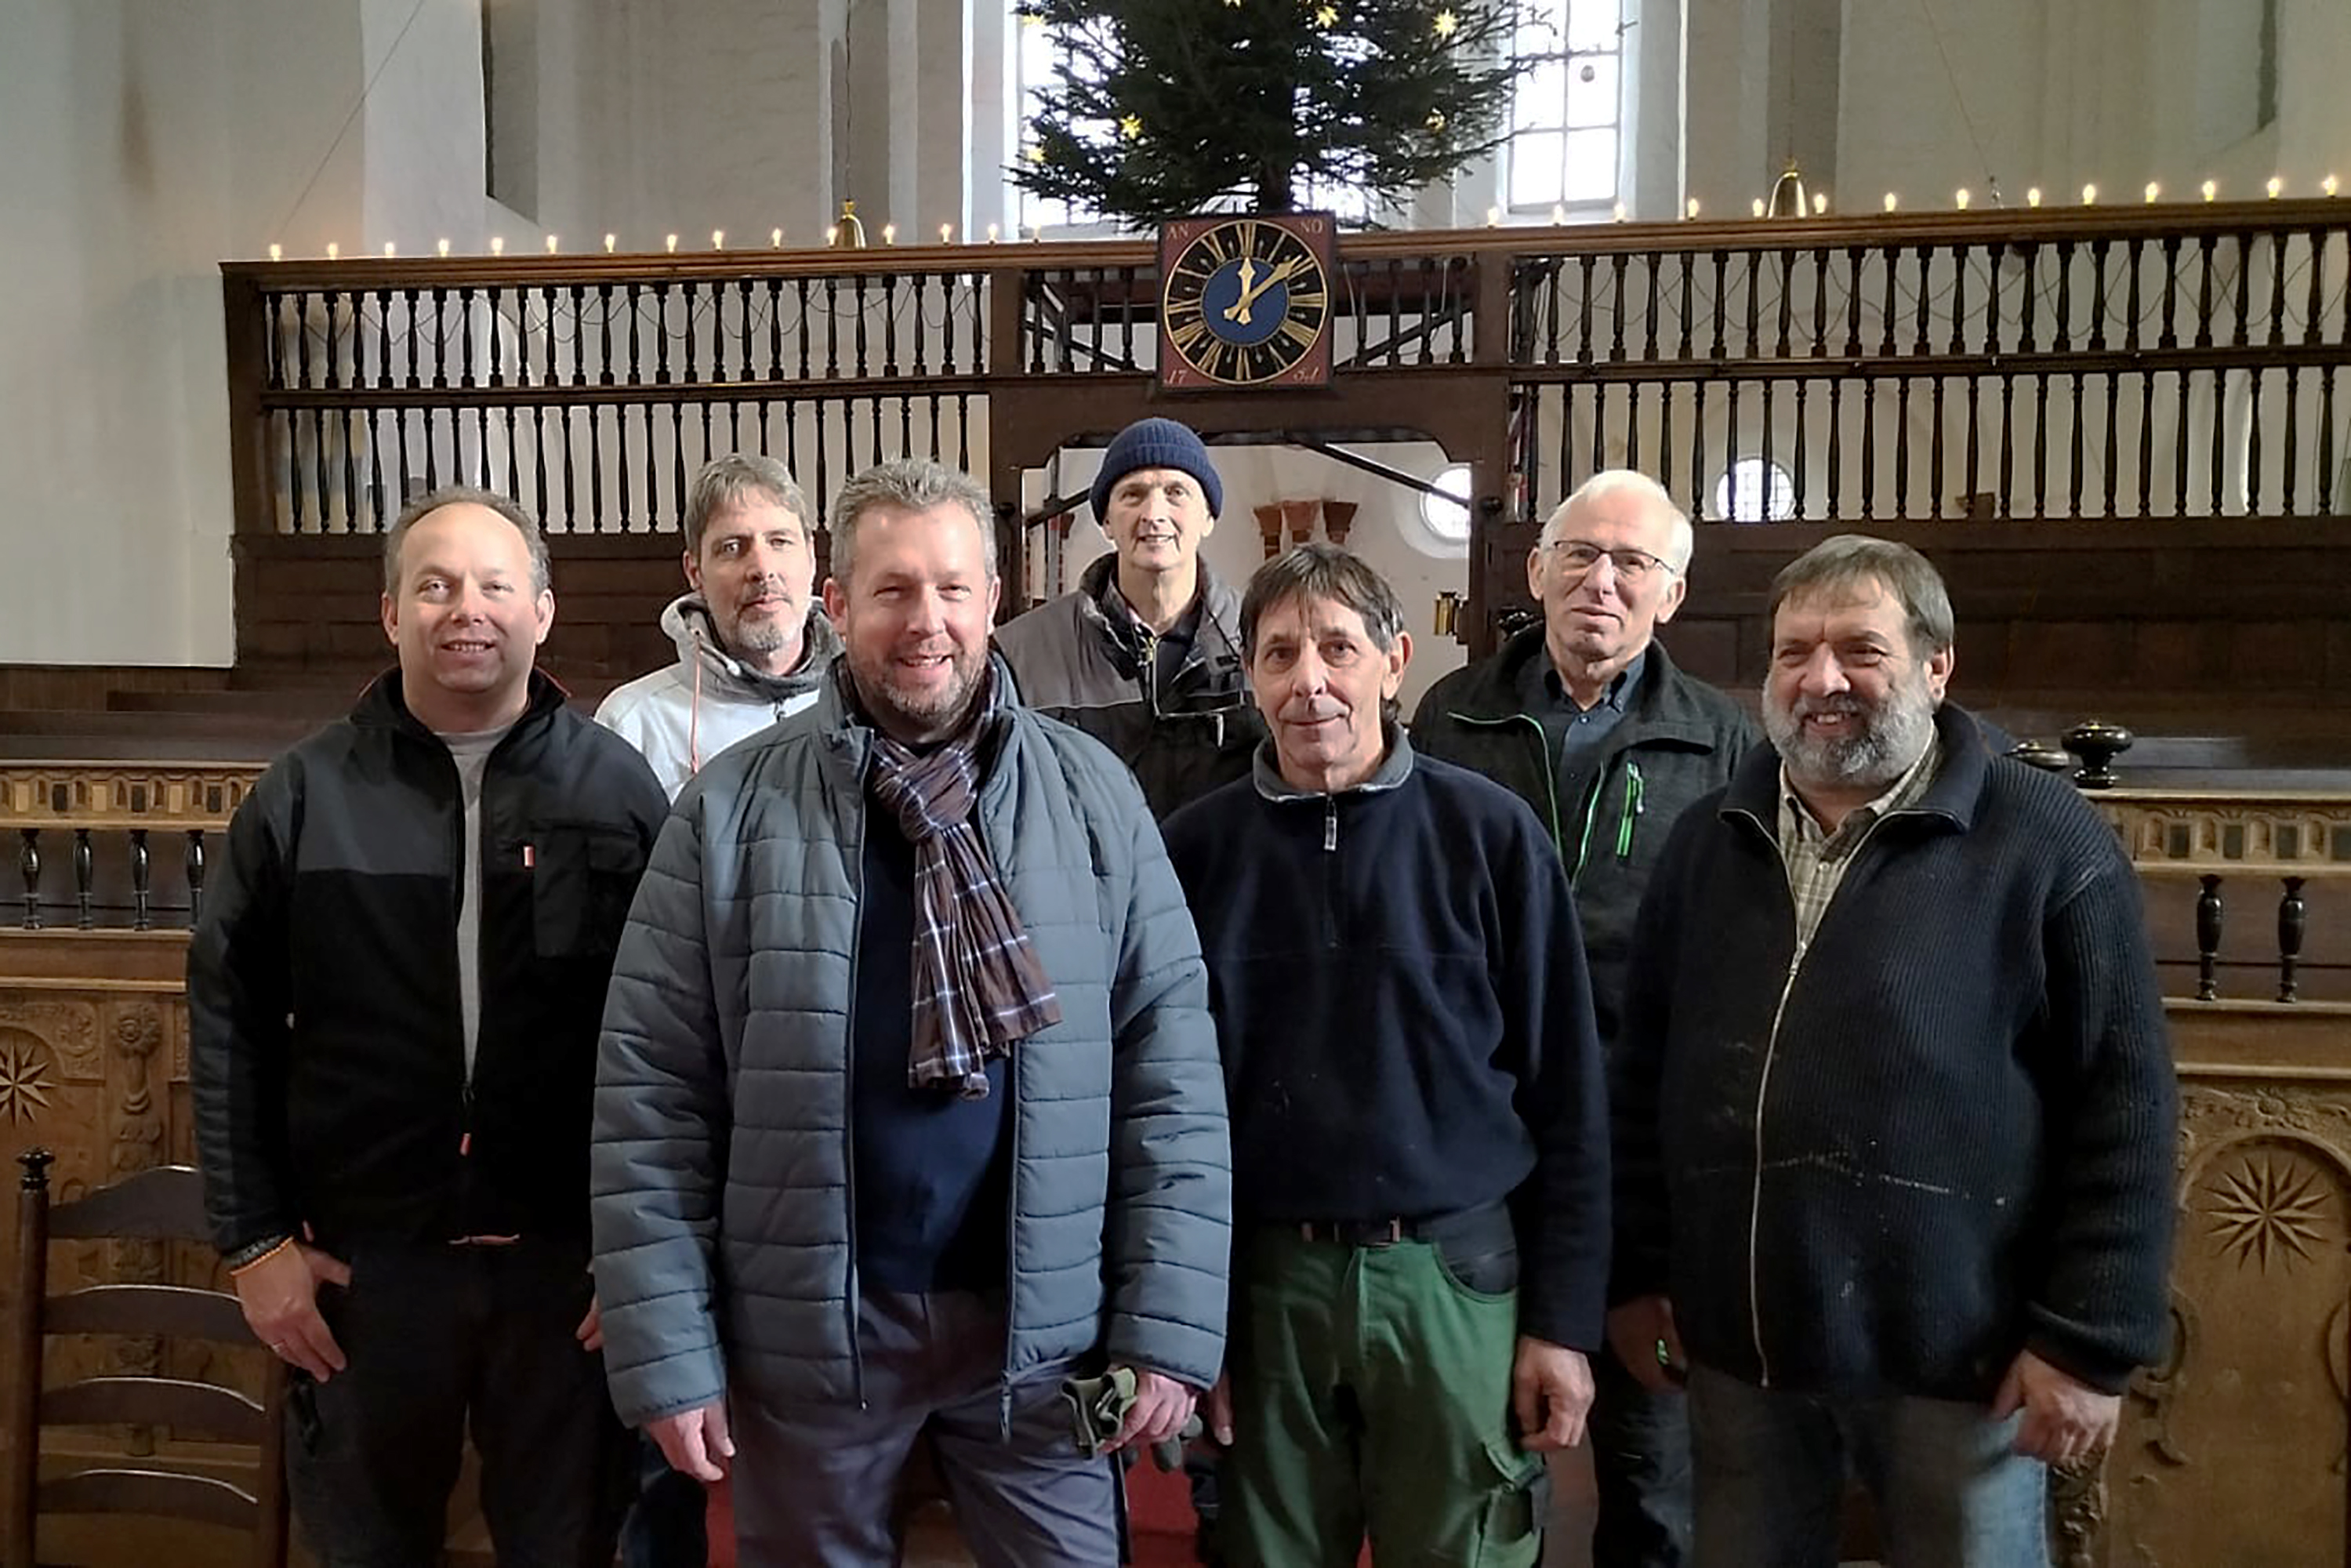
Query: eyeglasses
{"type": "Point", "coordinates": [1634, 567]}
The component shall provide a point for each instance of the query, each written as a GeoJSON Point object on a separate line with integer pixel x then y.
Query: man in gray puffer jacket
{"type": "Point", "coordinates": [910, 1104]}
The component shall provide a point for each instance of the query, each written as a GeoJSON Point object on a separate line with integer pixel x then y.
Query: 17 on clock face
{"type": "Point", "coordinates": [1246, 301]}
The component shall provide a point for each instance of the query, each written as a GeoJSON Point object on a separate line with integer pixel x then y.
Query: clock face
{"type": "Point", "coordinates": [1246, 302]}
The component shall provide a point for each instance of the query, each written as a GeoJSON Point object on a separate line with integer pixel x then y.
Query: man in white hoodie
{"type": "Point", "coordinates": [751, 642]}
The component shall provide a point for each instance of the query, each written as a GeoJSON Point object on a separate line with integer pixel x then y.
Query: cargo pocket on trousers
{"type": "Point", "coordinates": [1510, 1533]}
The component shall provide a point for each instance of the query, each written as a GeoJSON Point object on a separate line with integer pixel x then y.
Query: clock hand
{"type": "Point", "coordinates": [1238, 310]}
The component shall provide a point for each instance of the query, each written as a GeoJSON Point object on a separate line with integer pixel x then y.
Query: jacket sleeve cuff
{"type": "Point", "coordinates": [2084, 1364]}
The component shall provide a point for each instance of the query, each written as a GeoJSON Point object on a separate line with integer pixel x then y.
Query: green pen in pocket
{"type": "Point", "coordinates": [1632, 808]}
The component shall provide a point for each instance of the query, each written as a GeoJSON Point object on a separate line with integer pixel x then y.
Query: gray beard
{"type": "Point", "coordinates": [1893, 736]}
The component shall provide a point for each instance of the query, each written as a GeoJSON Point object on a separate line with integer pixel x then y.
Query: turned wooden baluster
{"type": "Point", "coordinates": [195, 867]}
{"type": "Point", "coordinates": [28, 866]}
{"type": "Point", "coordinates": [142, 917]}
{"type": "Point", "coordinates": [2292, 916]}
{"type": "Point", "coordinates": [2208, 934]}
{"type": "Point", "coordinates": [85, 869]}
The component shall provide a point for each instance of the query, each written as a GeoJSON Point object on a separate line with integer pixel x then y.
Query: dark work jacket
{"type": "Point", "coordinates": [1083, 658]}
{"type": "Point", "coordinates": [326, 1038]}
{"type": "Point", "coordinates": [1939, 1133]}
{"type": "Point", "coordinates": [1679, 740]}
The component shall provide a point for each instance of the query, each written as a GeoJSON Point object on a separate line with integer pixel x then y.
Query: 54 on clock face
{"type": "Point", "coordinates": [1246, 301]}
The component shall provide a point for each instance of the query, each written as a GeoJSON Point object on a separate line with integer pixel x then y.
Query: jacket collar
{"type": "Point", "coordinates": [383, 706]}
{"type": "Point", "coordinates": [1103, 608]}
{"type": "Point", "coordinates": [690, 626]}
{"type": "Point", "coordinates": [1395, 768]}
{"type": "Point", "coordinates": [1953, 795]}
{"type": "Point", "coordinates": [1662, 705]}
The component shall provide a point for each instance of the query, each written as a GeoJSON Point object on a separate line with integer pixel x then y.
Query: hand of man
{"type": "Point", "coordinates": [1551, 1391]}
{"type": "Point", "coordinates": [695, 1441]}
{"type": "Point", "coordinates": [280, 1298]}
{"type": "Point", "coordinates": [1161, 1407]}
{"type": "Point", "coordinates": [2065, 1420]}
{"type": "Point", "coordinates": [591, 1332]}
{"type": "Point", "coordinates": [1220, 1410]}
{"type": "Point", "coordinates": [1636, 1330]}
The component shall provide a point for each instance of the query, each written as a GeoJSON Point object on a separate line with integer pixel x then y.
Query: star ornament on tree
{"type": "Point", "coordinates": [1327, 17]}
{"type": "Point", "coordinates": [1447, 23]}
{"type": "Point", "coordinates": [1131, 127]}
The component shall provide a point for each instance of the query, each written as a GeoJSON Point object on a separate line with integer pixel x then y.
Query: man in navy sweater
{"type": "Point", "coordinates": [1419, 1137]}
{"type": "Point", "coordinates": [1893, 1106]}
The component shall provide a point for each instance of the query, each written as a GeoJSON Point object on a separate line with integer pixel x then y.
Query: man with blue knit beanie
{"type": "Point", "coordinates": [1144, 653]}
{"type": "Point", "coordinates": [1893, 1106]}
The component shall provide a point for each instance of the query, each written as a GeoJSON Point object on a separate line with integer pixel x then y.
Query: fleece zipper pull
{"type": "Point", "coordinates": [1330, 826]}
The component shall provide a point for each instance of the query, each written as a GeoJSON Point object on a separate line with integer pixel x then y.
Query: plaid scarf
{"type": "Point", "coordinates": [977, 984]}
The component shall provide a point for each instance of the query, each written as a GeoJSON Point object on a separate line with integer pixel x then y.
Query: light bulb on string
{"type": "Point", "coordinates": [1890, 202]}
{"type": "Point", "coordinates": [550, 245]}
{"type": "Point", "coordinates": [442, 246]}
{"type": "Point", "coordinates": [610, 240]}
{"type": "Point", "coordinates": [1960, 198]}
{"type": "Point", "coordinates": [2033, 195]}
{"type": "Point", "coordinates": [498, 245]}
{"type": "Point", "coordinates": [2089, 196]}
{"type": "Point", "coordinates": [277, 253]}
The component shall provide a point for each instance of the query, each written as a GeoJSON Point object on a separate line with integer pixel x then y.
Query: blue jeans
{"type": "Point", "coordinates": [1951, 1493]}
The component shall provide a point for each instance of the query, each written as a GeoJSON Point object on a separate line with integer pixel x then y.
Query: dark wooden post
{"type": "Point", "coordinates": [25, 1390]}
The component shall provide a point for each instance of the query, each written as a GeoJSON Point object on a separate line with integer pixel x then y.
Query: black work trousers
{"type": "Point", "coordinates": [440, 1339]}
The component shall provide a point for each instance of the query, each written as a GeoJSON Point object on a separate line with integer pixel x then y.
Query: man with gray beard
{"type": "Point", "coordinates": [1893, 1106]}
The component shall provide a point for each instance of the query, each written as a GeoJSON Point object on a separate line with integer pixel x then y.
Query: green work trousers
{"type": "Point", "coordinates": [1371, 1394]}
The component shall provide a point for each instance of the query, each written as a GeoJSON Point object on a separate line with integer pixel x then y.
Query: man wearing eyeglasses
{"type": "Point", "coordinates": [1590, 721]}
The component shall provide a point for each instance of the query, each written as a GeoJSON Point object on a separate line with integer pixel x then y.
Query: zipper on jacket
{"type": "Point", "coordinates": [1544, 768]}
{"type": "Point", "coordinates": [1755, 1197]}
{"type": "Point", "coordinates": [1011, 1240]}
{"type": "Point", "coordinates": [1634, 807]}
{"type": "Point", "coordinates": [1330, 871]}
{"type": "Point", "coordinates": [849, 1105]}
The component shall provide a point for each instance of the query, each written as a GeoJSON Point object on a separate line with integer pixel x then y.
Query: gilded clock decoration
{"type": "Point", "coordinates": [1246, 301]}
{"type": "Point", "coordinates": [2267, 1209]}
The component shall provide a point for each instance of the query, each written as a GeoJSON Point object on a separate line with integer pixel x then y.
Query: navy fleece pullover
{"type": "Point", "coordinates": [1406, 1027]}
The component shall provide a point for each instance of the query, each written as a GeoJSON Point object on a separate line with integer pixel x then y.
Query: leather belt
{"type": "Point", "coordinates": [1388, 1232]}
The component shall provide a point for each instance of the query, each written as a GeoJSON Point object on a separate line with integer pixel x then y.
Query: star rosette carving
{"type": "Point", "coordinates": [25, 1082]}
{"type": "Point", "coordinates": [2270, 1208]}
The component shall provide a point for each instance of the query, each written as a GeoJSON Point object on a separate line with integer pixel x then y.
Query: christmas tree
{"type": "Point", "coordinates": [1165, 107]}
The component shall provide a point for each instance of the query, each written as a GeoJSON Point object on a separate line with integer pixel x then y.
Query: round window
{"type": "Point", "coordinates": [1755, 491]}
{"type": "Point", "coordinates": [1447, 519]}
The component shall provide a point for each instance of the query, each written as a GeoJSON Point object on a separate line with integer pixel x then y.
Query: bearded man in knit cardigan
{"type": "Point", "coordinates": [1893, 1106]}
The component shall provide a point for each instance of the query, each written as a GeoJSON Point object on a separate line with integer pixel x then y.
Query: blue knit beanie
{"type": "Point", "coordinates": [1156, 443]}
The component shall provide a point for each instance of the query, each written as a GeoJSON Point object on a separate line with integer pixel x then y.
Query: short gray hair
{"type": "Point", "coordinates": [541, 577]}
{"type": "Point", "coordinates": [1852, 560]}
{"type": "Point", "coordinates": [1321, 571]}
{"type": "Point", "coordinates": [910, 484]}
{"type": "Point", "coordinates": [1681, 542]}
{"type": "Point", "coordinates": [727, 483]}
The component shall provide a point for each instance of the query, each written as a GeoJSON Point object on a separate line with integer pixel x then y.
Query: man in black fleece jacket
{"type": "Point", "coordinates": [1419, 1137]}
{"type": "Point", "coordinates": [393, 1002]}
{"type": "Point", "coordinates": [1893, 1106]}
